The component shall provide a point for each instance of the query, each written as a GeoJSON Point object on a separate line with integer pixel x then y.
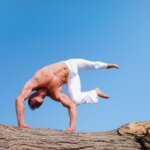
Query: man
{"type": "Point", "coordinates": [49, 80]}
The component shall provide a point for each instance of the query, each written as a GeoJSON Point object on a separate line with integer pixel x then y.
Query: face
{"type": "Point", "coordinates": [35, 101]}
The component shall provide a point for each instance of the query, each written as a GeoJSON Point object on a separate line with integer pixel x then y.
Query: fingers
{"type": "Point", "coordinates": [25, 126]}
{"type": "Point", "coordinates": [70, 130]}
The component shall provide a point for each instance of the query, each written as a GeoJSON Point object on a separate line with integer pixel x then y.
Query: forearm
{"type": "Point", "coordinates": [73, 117]}
{"type": "Point", "coordinates": [66, 102]}
{"type": "Point", "coordinates": [20, 111]}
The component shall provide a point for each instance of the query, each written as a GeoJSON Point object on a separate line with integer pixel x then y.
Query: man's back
{"type": "Point", "coordinates": [51, 77]}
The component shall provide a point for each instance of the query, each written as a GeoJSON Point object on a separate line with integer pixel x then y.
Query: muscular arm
{"type": "Point", "coordinates": [24, 94]}
{"type": "Point", "coordinates": [64, 99]}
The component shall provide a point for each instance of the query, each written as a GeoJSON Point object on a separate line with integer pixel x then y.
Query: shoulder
{"type": "Point", "coordinates": [31, 84]}
{"type": "Point", "coordinates": [55, 95]}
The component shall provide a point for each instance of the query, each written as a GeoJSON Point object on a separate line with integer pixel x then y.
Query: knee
{"type": "Point", "coordinates": [76, 99]}
{"type": "Point", "coordinates": [96, 65]}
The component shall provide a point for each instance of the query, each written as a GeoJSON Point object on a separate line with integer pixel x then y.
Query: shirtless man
{"type": "Point", "coordinates": [49, 80]}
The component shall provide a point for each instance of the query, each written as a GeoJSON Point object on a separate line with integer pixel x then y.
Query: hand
{"type": "Point", "coordinates": [24, 125]}
{"type": "Point", "coordinates": [70, 130]}
{"type": "Point", "coordinates": [109, 66]}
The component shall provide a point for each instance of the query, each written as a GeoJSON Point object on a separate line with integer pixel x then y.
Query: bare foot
{"type": "Point", "coordinates": [109, 66]}
{"type": "Point", "coordinates": [100, 93]}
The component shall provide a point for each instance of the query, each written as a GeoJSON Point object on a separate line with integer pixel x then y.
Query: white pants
{"type": "Point", "coordinates": [74, 85]}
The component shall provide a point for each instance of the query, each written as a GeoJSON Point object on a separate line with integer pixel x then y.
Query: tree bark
{"type": "Point", "coordinates": [133, 136]}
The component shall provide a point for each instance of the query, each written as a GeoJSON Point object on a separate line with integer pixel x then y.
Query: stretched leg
{"type": "Point", "coordinates": [83, 64]}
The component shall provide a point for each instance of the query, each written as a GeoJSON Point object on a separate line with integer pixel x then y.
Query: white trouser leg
{"type": "Point", "coordinates": [74, 92]}
{"type": "Point", "coordinates": [86, 64]}
{"type": "Point", "coordinates": [74, 85]}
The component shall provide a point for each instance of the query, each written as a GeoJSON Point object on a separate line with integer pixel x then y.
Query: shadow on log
{"type": "Point", "coordinates": [133, 136]}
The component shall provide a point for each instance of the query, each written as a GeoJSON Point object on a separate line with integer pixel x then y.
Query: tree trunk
{"type": "Point", "coordinates": [133, 136]}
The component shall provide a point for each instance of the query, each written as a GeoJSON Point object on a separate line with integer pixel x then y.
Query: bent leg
{"type": "Point", "coordinates": [78, 97]}
{"type": "Point", "coordinates": [89, 97]}
{"type": "Point", "coordinates": [74, 88]}
{"type": "Point", "coordinates": [74, 85]}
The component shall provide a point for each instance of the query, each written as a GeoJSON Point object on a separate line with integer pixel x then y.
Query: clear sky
{"type": "Point", "coordinates": [35, 33]}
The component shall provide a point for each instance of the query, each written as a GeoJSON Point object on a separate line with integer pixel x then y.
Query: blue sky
{"type": "Point", "coordinates": [35, 33]}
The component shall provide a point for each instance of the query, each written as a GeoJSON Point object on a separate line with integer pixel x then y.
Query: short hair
{"type": "Point", "coordinates": [36, 106]}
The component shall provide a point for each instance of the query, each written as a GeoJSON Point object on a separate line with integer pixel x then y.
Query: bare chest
{"type": "Point", "coordinates": [54, 86]}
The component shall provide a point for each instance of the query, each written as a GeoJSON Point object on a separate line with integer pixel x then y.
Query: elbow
{"type": "Point", "coordinates": [17, 100]}
{"type": "Point", "coordinates": [72, 106]}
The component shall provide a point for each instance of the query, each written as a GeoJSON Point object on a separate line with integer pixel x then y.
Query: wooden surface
{"type": "Point", "coordinates": [133, 136]}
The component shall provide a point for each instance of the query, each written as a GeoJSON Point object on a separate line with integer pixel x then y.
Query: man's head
{"type": "Point", "coordinates": [36, 99]}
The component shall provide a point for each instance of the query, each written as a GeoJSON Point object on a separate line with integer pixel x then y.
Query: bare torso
{"type": "Point", "coordinates": [51, 78]}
